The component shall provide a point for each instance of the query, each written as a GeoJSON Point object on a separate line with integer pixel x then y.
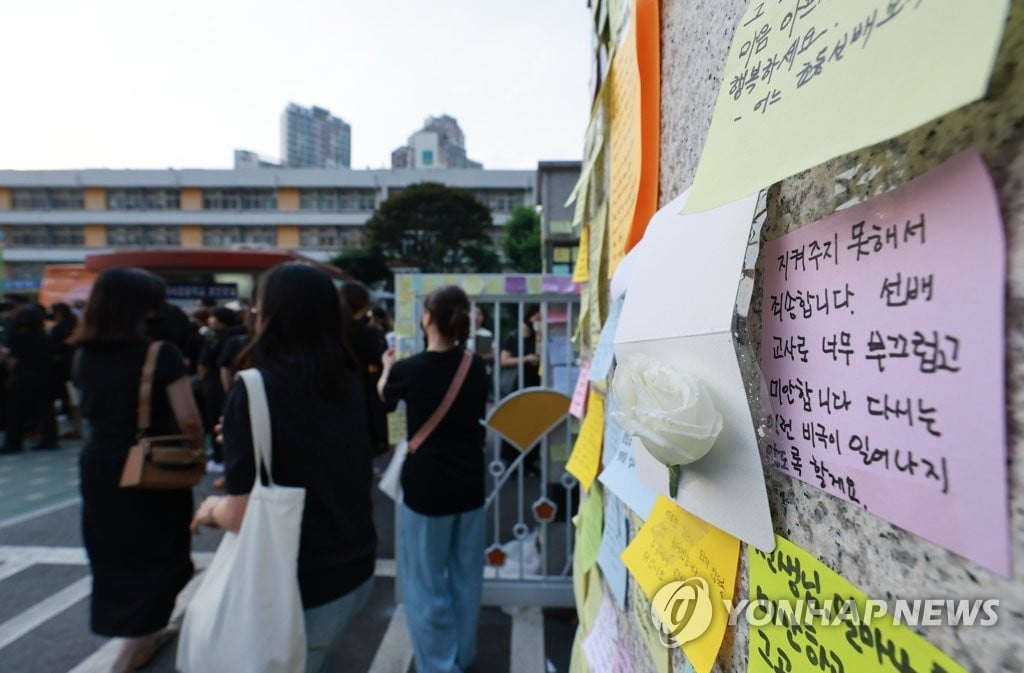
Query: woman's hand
{"type": "Point", "coordinates": [205, 514]}
{"type": "Point", "coordinates": [388, 358]}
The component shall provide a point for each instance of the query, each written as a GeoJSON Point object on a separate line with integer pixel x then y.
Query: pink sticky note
{"type": "Point", "coordinates": [883, 352]}
{"type": "Point", "coordinates": [578, 406]}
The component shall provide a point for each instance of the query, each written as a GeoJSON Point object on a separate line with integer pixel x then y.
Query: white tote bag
{"type": "Point", "coordinates": [391, 481]}
{"type": "Point", "coordinates": [247, 612]}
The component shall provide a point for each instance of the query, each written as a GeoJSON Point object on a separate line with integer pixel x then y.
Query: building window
{"type": "Point", "coordinates": [143, 236]}
{"type": "Point", "coordinates": [499, 201]}
{"type": "Point", "coordinates": [143, 199]}
{"type": "Point", "coordinates": [48, 199]}
{"type": "Point", "coordinates": [25, 270]}
{"type": "Point", "coordinates": [239, 199]}
{"type": "Point", "coordinates": [330, 238]}
{"type": "Point", "coordinates": [226, 237]}
{"type": "Point", "coordinates": [428, 158]}
{"type": "Point", "coordinates": [337, 200]}
{"type": "Point", "coordinates": [47, 236]}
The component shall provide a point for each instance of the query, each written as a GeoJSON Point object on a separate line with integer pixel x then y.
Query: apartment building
{"type": "Point", "coordinates": [50, 217]}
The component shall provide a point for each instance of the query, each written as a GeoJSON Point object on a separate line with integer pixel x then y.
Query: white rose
{"type": "Point", "coordinates": [670, 411]}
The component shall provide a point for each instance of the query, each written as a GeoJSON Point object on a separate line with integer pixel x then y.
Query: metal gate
{"type": "Point", "coordinates": [530, 497]}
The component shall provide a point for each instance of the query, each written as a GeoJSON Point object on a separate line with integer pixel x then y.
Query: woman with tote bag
{"type": "Point", "coordinates": [441, 523]}
{"type": "Point", "coordinates": [319, 442]}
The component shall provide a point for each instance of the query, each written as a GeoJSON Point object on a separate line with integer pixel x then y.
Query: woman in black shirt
{"type": "Point", "coordinates": [441, 526]}
{"type": "Point", "coordinates": [33, 382]}
{"type": "Point", "coordinates": [319, 442]}
{"type": "Point", "coordinates": [137, 540]}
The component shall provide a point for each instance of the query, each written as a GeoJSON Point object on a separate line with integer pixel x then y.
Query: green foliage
{"type": "Point", "coordinates": [434, 228]}
{"type": "Point", "coordinates": [367, 265]}
{"type": "Point", "coordinates": [522, 241]}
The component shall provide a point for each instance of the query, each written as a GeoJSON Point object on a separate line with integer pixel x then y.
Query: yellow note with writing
{"type": "Point", "coordinates": [585, 460]}
{"type": "Point", "coordinates": [805, 617]}
{"type": "Point", "coordinates": [580, 271]}
{"type": "Point", "coordinates": [807, 81]}
{"type": "Point", "coordinates": [625, 152]}
{"type": "Point", "coordinates": [590, 528]}
{"type": "Point", "coordinates": [687, 567]}
{"type": "Point", "coordinates": [657, 645]}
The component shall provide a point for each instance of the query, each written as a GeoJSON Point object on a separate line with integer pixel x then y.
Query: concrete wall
{"type": "Point", "coordinates": [884, 561]}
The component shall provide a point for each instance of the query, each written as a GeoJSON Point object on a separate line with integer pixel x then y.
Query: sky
{"type": "Point", "coordinates": [183, 83]}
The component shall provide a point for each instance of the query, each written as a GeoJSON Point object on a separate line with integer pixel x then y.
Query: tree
{"type": "Point", "coordinates": [435, 229]}
{"type": "Point", "coordinates": [522, 240]}
{"type": "Point", "coordinates": [367, 265]}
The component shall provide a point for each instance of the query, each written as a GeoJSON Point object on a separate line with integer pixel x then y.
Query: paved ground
{"type": "Point", "coordinates": [45, 585]}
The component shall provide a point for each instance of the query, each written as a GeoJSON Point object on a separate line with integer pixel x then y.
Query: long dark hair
{"type": "Point", "coordinates": [63, 313]}
{"type": "Point", "coordinates": [302, 331]}
{"type": "Point", "coordinates": [119, 304]}
{"type": "Point", "coordinates": [449, 309]}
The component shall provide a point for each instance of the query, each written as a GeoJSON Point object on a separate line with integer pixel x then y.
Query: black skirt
{"type": "Point", "coordinates": [139, 548]}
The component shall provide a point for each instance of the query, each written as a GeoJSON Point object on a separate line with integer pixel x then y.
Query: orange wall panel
{"type": "Point", "coordinates": [287, 198]}
{"type": "Point", "coordinates": [95, 198]}
{"type": "Point", "coordinates": [191, 234]}
{"type": "Point", "coordinates": [5, 198]}
{"type": "Point", "coordinates": [288, 237]}
{"type": "Point", "coordinates": [95, 235]}
{"type": "Point", "coordinates": [191, 198]}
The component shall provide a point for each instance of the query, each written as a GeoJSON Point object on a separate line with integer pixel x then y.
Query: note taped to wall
{"type": "Point", "coordinates": [842, 630]}
{"type": "Point", "coordinates": [585, 461]}
{"type": "Point", "coordinates": [807, 81]}
{"type": "Point", "coordinates": [625, 152]}
{"type": "Point", "coordinates": [580, 271]}
{"type": "Point", "coordinates": [675, 553]}
{"type": "Point", "coordinates": [883, 351]}
{"type": "Point", "coordinates": [646, 19]}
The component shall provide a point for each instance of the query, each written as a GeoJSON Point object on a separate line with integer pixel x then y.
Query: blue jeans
{"type": "Point", "coordinates": [324, 623]}
{"type": "Point", "coordinates": [440, 575]}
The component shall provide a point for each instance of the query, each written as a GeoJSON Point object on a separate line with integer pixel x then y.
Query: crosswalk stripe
{"type": "Point", "coordinates": [527, 641]}
{"type": "Point", "coordinates": [394, 655]}
{"type": "Point", "coordinates": [11, 568]}
{"type": "Point", "coordinates": [43, 611]}
{"type": "Point", "coordinates": [102, 659]}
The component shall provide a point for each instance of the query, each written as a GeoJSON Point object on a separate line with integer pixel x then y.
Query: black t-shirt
{"type": "Point", "coordinates": [109, 381]}
{"type": "Point", "coordinates": [369, 344]}
{"type": "Point", "coordinates": [446, 474]}
{"type": "Point", "coordinates": [531, 373]}
{"type": "Point", "coordinates": [322, 446]}
{"type": "Point", "coordinates": [232, 348]}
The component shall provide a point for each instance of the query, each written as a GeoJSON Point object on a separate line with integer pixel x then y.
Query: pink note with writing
{"type": "Point", "coordinates": [578, 406]}
{"type": "Point", "coordinates": [883, 353]}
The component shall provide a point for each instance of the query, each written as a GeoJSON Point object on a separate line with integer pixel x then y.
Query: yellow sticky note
{"type": "Point", "coordinates": [397, 428]}
{"type": "Point", "coordinates": [845, 626]}
{"type": "Point", "coordinates": [579, 273]}
{"type": "Point", "coordinates": [593, 599]}
{"type": "Point", "coordinates": [585, 460]}
{"type": "Point", "coordinates": [805, 84]}
{"type": "Point", "coordinates": [678, 560]}
{"type": "Point", "coordinates": [590, 528]}
{"type": "Point", "coordinates": [495, 284]}
{"type": "Point", "coordinates": [625, 152]}
{"type": "Point", "coordinates": [657, 643]}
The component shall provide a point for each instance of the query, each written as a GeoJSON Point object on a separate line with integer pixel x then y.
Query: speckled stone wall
{"type": "Point", "coordinates": [883, 560]}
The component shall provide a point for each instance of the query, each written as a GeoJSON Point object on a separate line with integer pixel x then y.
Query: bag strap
{"type": "Point", "coordinates": [259, 421]}
{"type": "Point", "coordinates": [146, 386]}
{"type": "Point", "coordinates": [446, 403]}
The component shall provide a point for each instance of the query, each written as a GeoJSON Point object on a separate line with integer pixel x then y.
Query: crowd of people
{"type": "Point", "coordinates": [327, 362]}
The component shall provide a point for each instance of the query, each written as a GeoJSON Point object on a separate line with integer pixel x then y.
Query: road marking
{"type": "Point", "coordinates": [527, 647]}
{"type": "Point", "coordinates": [34, 514]}
{"type": "Point", "coordinates": [43, 611]}
{"type": "Point", "coordinates": [102, 659]}
{"type": "Point", "coordinates": [10, 568]}
{"type": "Point", "coordinates": [394, 654]}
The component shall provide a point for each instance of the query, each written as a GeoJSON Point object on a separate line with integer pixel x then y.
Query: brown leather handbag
{"type": "Point", "coordinates": [164, 462]}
